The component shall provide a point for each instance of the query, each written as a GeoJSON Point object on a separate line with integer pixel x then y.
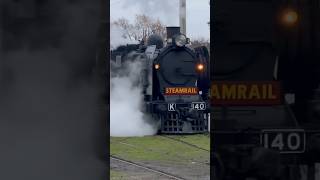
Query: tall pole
{"type": "Point", "coordinates": [183, 16]}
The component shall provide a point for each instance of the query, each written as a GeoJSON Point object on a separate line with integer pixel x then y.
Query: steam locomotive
{"type": "Point", "coordinates": [265, 90]}
{"type": "Point", "coordinates": [174, 81]}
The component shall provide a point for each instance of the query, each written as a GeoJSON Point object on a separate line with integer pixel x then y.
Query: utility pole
{"type": "Point", "coordinates": [183, 16]}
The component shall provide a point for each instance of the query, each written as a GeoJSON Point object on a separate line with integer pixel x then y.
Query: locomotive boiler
{"type": "Point", "coordinates": [174, 81]}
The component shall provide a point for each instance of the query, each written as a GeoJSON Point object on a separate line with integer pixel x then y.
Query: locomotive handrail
{"type": "Point", "coordinates": [290, 112]}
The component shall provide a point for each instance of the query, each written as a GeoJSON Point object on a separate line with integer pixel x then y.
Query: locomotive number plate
{"type": "Point", "coordinates": [198, 105]}
{"type": "Point", "coordinates": [284, 140]}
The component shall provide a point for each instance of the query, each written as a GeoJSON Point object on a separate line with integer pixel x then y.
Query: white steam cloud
{"type": "Point", "coordinates": [126, 117]}
{"type": "Point", "coordinates": [126, 99]}
{"type": "Point", "coordinates": [51, 107]}
{"type": "Point", "coordinates": [166, 10]}
{"type": "Point", "coordinates": [117, 38]}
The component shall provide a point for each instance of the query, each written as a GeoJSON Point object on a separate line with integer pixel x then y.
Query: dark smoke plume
{"type": "Point", "coordinates": [51, 99]}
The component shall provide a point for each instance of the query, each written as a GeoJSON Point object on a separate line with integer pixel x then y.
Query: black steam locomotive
{"type": "Point", "coordinates": [174, 80]}
{"type": "Point", "coordinates": [265, 90]}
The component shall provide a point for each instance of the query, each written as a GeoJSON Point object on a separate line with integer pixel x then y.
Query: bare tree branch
{"type": "Point", "coordinates": [142, 27]}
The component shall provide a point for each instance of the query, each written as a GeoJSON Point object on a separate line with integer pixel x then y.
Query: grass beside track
{"type": "Point", "coordinates": [160, 149]}
{"type": "Point", "coordinates": [202, 141]}
{"type": "Point", "coordinates": [115, 175]}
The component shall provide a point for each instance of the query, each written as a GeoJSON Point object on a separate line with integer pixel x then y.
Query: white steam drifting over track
{"type": "Point", "coordinates": [126, 117]}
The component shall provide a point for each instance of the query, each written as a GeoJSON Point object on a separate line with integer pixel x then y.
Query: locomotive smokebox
{"type": "Point", "coordinates": [171, 31]}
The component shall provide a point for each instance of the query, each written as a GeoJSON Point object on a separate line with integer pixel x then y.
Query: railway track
{"type": "Point", "coordinates": [165, 153]}
{"type": "Point", "coordinates": [162, 173]}
{"type": "Point", "coordinates": [184, 142]}
{"type": "Point", "coordinates": [158, 152]}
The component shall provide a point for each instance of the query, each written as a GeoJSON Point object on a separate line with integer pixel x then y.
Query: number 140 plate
{"type": "Point", "coordinates": [284, 140]}
{"type": "Point", "coordinates": [198, 106]}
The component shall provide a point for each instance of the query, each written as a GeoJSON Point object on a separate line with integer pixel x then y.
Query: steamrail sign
{"type": "Point", "coordinates": [245, 93]}
{"type": "Point", "coordinates": [181, 91]}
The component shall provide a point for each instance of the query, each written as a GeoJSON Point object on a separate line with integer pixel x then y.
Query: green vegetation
{"type": "Point", "coordinates": [160, 149]}
{"type": "Point", "coordinates": [115, 175]}
{"type": "Point", "coordinates": [201, 140]}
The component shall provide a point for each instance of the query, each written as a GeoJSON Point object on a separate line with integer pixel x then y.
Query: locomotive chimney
{"type": "Point", "coordinates": [171, 31]}
{"type": "Point", "coordinates": [183, 16]}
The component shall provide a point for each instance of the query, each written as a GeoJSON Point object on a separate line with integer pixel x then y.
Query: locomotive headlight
{"type": "Point", "coordinates": [180, 40]}
{"type": "Point", "coordinates": [200, 67]}
{"type": "Point", "coordinates": [289, 17]}
{"type": "Point", "coordinates": [157, 66]}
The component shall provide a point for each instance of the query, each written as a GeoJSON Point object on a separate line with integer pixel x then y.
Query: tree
{"type": "Point", "coordinates": [142, 27]}
{"type": "Point", "coordinates": [159, 28]}
{"type": "Point", "coordinates": [200, 42]}
{"type": "Point", "coordinates": [126, 27]}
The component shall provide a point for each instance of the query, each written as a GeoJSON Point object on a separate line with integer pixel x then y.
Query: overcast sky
{"type": "Point", "coordinates": [198, 13]}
